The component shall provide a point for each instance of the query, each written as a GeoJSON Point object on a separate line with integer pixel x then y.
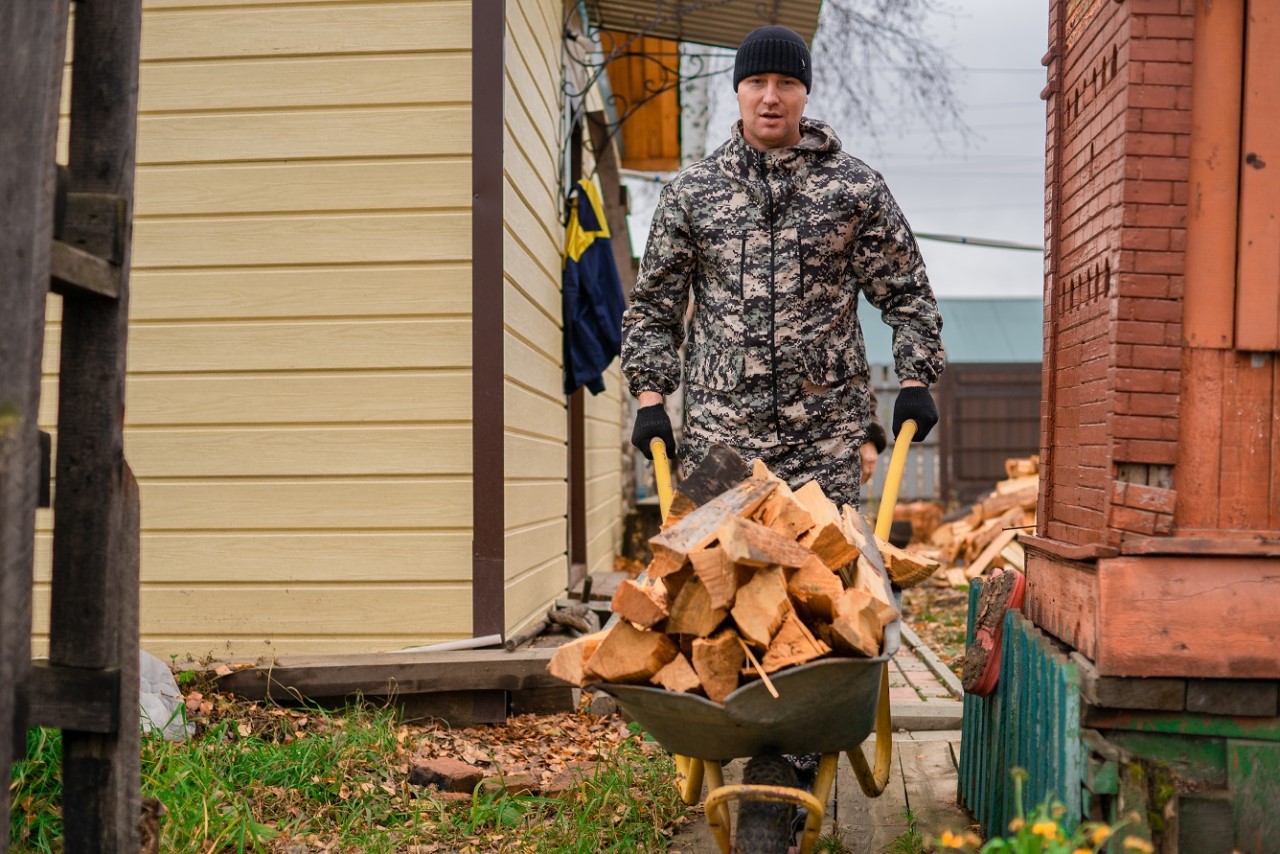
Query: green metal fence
{"type": "Point", "coordinates": [1031, 721]}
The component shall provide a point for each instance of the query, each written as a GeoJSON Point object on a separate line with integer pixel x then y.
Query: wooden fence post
{"type": "Point", "coordinates": [32, 48]}
{"type": "Point", "coordinates": [93, 623]}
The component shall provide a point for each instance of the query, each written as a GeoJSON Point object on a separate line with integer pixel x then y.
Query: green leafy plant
{"type": "Point", "coordinates": [1042, 832]}
{"type": "Point", "coordinates": [910, 841]}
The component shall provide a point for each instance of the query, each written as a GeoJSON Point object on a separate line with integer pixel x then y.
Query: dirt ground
{"type": "Point", "coordinates": [937, 612]}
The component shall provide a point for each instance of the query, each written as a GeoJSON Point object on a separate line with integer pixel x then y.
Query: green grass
{"type": "Point", "coordinates": [338, 782]}
{"type": "Point", "coordinates": [910, 841]}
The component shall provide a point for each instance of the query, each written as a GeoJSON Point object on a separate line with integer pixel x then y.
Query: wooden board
{"type": "Point", "coordinates": [1062, 599]}
{"type": "Point", "coordinates": [1140, 634]}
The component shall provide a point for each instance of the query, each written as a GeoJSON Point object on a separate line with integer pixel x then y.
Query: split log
{"type": "Point", "coordinates": [1018, 484]}
{"type": "Point", "coordinates": [870, 580]}
{"type": "Point", "coordinates": [859, 624]}
{"type": "Point", "coordinates": [1015, 555]}
{"type": "Point", "coordinates": [720, 470]}
{"type": "Point", "coordinates": [983, 560]}
{"type": "Point", "coordinates": [717, 661]}
{"type": "Point", "coordinates": [814, 588]}
{"type": "Point", "coordinates": [569, 661]}
{"type": "Point", "coordinates": [907, 569]}
{"type": "Point", "coordinates": [628, 654]}
{"type": "Point", "coordinates": [957, 578]}
{"type": "Point", "coordinates": [793, 644]}
{"type": "Point", "coordinates": [995, 505]}
{"type": "Point", "coordinates": [924, 516]}
{"type": "Point", "coordinates": [692, 612]}
{"type": "Point", "coordinates": [678, 675]}
{"type": "Point", "coordinates": [673, 545]}
{"type": "Point", "coordinates": [752, 544]}
{"type": "Point", "coordinates": [761, 606]}
{"type": "Point", "coordinates": [784, 514]}
{"type": "Point", "coordinates": [718, 575]}
{"type": "Point", "coordinates": [1021, 468]}
{"type": "Point", "coordinates": [643, 603]}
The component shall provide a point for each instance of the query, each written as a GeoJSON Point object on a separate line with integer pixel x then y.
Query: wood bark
{"type": "Point", "coordinates": [752, 544]}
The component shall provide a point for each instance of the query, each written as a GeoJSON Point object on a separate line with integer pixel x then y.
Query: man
{"type": "Point", "coordinates": [775, 235]}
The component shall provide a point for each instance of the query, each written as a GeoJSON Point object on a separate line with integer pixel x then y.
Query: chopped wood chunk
{"type": "Point", "coordinates": [957, 578]}
{"type": "Point", "coordinates": [982, 561]}
{"type": "Point", "coordinates": [628, 654]}
{"type": "Point", "coordinates": [831, 545]}
{"type": "Point", "coordinates": [872, 581]}
{"type": "Point", "coordinates": [569, 661]}
{"type": "Point", "coordinates": [717, 661]}
{"type": "Point", "coordinates": [814, 588]}
{"type": "Point", "coordinates": [1018, 484]}
{"type": "Point", "coordinates": [643, 603]}
{"type": "Point", "coordinates": [692, 612]}
{"type": "Point", "coordinates": [1015, 468]}
{"type": "Point", "coordinates": [761, 606]}
{"type": "Point", "coordinates": [678, 675]}
{"type": "Point", "coordinates": [907, 569]}
{"type": "Point", "coordinates": [859, 623]}
{"type": "Point", "coordinates": [821, 508]}
{"type": "Point", "coordinates": [753, 544]}
{"type": "Point", "coordinates": [721, 469]}
{"type": "Point", "coordinates": [672, 546]}
{"type": "Point", "coordinates": [793, 644]}
{"type": "Point", "coordinates": [784, 514]}
{"type": "Point", "coordinates": [1015, 555]}
{"type": "Point", "coordinates": [718, 574]}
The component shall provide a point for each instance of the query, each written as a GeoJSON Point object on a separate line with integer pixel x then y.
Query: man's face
{"type": "Point", "coordinates": [771, 105]}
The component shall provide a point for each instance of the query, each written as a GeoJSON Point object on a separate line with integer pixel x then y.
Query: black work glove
{"type": "Point", "coordinates": [652, 422]}
{"type": "Point", "coordinates": [915, 404]}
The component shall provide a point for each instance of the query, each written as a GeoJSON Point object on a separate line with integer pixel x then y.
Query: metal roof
{"type": "Point", "coordinates": [974, 330]}
{"type": "Point", "coordinates": [722, 23]}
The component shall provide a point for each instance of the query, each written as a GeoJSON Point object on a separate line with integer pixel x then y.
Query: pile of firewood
{"type": "Point", "coordinates": [988, 536]}
{"type": "Point", "coordinates": [750, 581]}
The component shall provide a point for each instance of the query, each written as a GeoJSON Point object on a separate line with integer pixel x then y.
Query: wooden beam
{"type": "Point", "coordinates": [75, 272]}
{"type": "Point", "coordinates": [73, 698]}
{"type": "Point", "coordinates": [392, 674]}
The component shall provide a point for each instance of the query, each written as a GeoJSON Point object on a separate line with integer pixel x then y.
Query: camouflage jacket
{"type": "Point", "coordinates": [774, 248]}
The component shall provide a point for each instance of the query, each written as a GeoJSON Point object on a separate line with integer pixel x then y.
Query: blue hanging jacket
{"type": "Point", "coordinates": [591, 295]}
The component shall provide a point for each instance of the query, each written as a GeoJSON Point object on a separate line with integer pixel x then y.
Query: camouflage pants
{"type": "Point", "coordinates": [834, 463]}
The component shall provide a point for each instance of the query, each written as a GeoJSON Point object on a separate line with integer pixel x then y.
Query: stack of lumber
{"type": "Point", "coordinates": [987, 537]}
{"type": "Point", "coordinates": [743, 584]}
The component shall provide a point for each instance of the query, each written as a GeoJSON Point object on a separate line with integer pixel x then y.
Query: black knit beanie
{"type": "Point", "coordinates": [775, 49]}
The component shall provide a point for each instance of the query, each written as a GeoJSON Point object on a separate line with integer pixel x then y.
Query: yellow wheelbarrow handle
{"type": "Point", "coordinates": [874, 780]}
{"type": "Point", "coordinates": [661, 473]}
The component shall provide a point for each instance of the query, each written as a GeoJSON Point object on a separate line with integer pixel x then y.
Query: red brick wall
{"type": "Point", "coordinates": [1119, 101]}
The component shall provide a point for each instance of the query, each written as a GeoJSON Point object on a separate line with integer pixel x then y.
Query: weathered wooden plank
{"type": "Point", "coordinates": [1248, 413]}
{"type": "Point", "coordinates": [930, 778]}
{"type": "Point", "coordinates": [73, 271]}
{"type": "Point", "coordinates": [1140, 635]}
{"type": "Point", "coordinates": [1121, 693]}
{"type": "Point", "coordinates": [32, 45]}
{"type": "Point", "coordinates": [1062, 598]}
{"type": "Point", "coordinates": [1198, 472]}
{"type": "Point", "coordinates": [1251, 698]}
{"type": "Point", "coordinates": [74, 698]}
{"type": "Point", "coordinates": [870, 824]}
{"type": "Point", "coordinates": [394, 674]}
{"type": "Point", "coordinates": [671, 547]}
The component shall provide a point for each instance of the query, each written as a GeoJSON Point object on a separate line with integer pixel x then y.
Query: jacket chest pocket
{"type": "Point", "coordinates": [722, 262]}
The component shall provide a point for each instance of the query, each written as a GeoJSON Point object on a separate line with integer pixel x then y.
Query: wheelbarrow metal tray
{"type": "Point", "coordinates": [826, 706]}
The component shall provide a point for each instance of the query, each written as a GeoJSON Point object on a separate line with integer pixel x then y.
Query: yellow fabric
{"type": "Point", "coordinates": [576, 239]}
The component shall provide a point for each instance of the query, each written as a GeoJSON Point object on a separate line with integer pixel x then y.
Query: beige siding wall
{"type": "Point", "coordinates": [536, 425]}
{"type": "Point", "coordinates": [299, 397]}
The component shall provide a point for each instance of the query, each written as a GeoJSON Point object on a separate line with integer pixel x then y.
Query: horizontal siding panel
{"type": "Point", "coordinates": [274, 399]}
{"type": "Point", "coordinates": [532, 593]}
{"type": "Point", "coordinates": [535, 459]}
{"type": "Point", "coordinates": [266, 558]}
{"type": "Point", "coordinates": [531, 324]}
{"type": "Point", "coordinates": [528, 503]}
{"type": "Point", "coordinates": [304, 187]}
{"type": "Point", "coordinates": [302, 239]}
{"type": "Point", "coordinates": [304, 135]}
{"type": "Point", "coordinates": [300, 292]}
{"type": "Point", "coordinates": [326, 81]}
{"type": "Point", "coordinates": [526, 63]}
{"type": "Point", "coordinates": [533, 413]}
{"type": "Point", "coordinates": [280, 346]}
{"type": "Point", "coordinates": [530, 235]}
{"type": "Point", "coordinates": [602, 435]}
{"type": "Point", "coordinates": [300, 451]}
{"type": "Point", "coordinates": [303, 505]}
{"type": "Point", "coordinates": [345, 610]}
{"type": "Point", "coordinates": [240, 31]}
{"type": "Point", "coordinates": [530, 367]}
{"type": "Point", "coordinates": [535, 545]}
{"type": "Point", "coordinates": [257, 648]}
{"type": "Point", "coordinates": [604, 486]}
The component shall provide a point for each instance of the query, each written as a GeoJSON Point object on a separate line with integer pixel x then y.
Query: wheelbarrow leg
{"type": "Point", "coordinates": [822, 794]}
{"type": "Point", "coordinates": [718, 812]}
{"type": "Point", "coordinates": [689, 774]}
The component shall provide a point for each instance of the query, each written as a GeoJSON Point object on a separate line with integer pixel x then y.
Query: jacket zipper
{"type": "Point", "coordinates": [773, 300]}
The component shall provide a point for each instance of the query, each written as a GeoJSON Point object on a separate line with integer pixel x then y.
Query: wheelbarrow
{"type": "Point", "coordinates": [825, 707]}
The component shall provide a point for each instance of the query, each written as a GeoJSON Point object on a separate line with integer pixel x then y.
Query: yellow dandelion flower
{"type": "Point", "coordinates": [950, 840]}
{"type": "Point", "coordinates": [1016, 824]}
{"type": "Point", "coordinates": [1134, 843]}
{"type": "Point", "coordinates": [1100, 834]}
{"type": "Point", "coordinates": [1047, 829]}
{"type": "Point", "coordinates": [1082, 851]}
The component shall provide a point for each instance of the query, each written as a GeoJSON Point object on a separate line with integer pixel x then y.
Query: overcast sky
{"type": "Point", "coordinates": [991, 186]}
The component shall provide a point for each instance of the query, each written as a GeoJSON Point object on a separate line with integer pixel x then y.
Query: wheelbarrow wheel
{"type": "Point", "coordinates": [766, 828]}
